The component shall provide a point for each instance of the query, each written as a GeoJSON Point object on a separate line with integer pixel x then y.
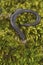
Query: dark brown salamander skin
{"type": "Point", "coordinates": [13, 21]}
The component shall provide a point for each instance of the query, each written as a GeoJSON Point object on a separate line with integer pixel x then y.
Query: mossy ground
{"type": "Point", "coordinates": [12, 50]}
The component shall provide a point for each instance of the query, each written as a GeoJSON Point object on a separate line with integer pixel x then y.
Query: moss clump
{"type": "Point", "coordinates": [12, 50]}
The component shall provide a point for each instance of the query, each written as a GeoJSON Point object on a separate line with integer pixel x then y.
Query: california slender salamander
{"type": "Point", "coordinates": [13, 21]}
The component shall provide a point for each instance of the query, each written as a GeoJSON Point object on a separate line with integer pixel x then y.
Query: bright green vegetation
{"type": "Point", "coordinates": [12, 50]}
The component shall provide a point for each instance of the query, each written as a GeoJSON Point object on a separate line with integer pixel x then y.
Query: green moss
{"type": "Point", "coordinates": [12, 49]}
